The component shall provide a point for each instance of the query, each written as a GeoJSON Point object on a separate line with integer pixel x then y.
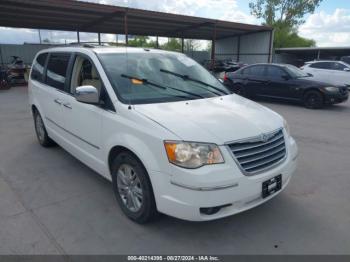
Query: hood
{"type": "Point", "coordinates": [214, 120]}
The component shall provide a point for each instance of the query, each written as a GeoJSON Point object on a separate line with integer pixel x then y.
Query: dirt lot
{"type": "Point", "coordinates": [50, 203]}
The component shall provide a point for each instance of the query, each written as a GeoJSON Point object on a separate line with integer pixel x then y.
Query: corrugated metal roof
{"type": "Point", "coordinates": [69, 15]}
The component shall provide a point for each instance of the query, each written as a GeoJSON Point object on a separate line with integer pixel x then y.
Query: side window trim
{"type": "Point", "coordinates": [67, 72]}
{"type": "Point", "coordinates": [43, 77]}
{"type": "Point", "coordinates": [281, 70]}
{"type": "Point", "coordinates": [45, 68]}
{"type": "Point", "coordinates": [103, 89]}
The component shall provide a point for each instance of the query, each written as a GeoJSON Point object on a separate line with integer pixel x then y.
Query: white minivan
{"type": "Point", "coordinates": [168, 134]}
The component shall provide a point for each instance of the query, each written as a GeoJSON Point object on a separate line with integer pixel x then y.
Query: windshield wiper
{"type": "Point", "coordinates": [187, 77]}
{"type": "Point", "coordinates": [147, 82]}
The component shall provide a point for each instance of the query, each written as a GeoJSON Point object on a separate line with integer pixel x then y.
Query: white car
{"type": "Point", "coordinates": [165, 131]}
{"type": "Point", "coordinates": [335, 72]}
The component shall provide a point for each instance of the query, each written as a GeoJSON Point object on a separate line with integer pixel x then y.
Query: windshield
{"type": "Point", "coordinates": [296, 72]}
{"type": "Point", "coordinates": [143, 78]}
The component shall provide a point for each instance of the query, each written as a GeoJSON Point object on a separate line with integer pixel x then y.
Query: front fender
{"type": "Point", "coordinates": [152, 155]}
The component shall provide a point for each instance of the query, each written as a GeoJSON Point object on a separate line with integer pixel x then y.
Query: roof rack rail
{"type": "Point", "coordinates": [90, 44]}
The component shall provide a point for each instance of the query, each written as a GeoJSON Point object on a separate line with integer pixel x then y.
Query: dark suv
{"type": "Point", "coordinates": [285, 82]}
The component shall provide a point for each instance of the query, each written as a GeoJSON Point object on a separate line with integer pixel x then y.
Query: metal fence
{"type": "Point", "coordinates": [26, 52]}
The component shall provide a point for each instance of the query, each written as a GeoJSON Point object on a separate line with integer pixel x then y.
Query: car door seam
{"type": "Point", "coordinates": [78, 137]}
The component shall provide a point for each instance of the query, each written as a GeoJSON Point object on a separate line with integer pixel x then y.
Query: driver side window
{"type": "Point", "coordinates": [85, 74]}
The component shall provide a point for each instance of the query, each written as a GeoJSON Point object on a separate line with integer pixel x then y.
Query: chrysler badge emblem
{"type": "Point", "coordinates": [264, 138]}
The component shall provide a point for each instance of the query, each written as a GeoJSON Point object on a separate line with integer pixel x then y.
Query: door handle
{"type": "Point", "coordinates": [67, 105]}
{"type": "Point", "coordinates": [57, 101]}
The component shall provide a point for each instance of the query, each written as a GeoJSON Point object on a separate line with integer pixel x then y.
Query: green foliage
{"type": "Point", "coordinates": [172, 45]}
{"type": "Point", "coordinates": [291, 12]}
{"type": "Point", "coordinates": [285, 16]}
{"type": "Point", "coordinates": [142, 41]}
{"type": "Point", "coordinates": [191, 45]}
{"type": "Point", "coordinates": [288, 37]}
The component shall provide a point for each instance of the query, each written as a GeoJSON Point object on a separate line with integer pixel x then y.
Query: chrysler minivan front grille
{"type": "Point", "coordinates": [260, 153]}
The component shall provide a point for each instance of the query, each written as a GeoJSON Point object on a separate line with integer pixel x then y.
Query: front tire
{"type": "Point", "coordinates": [133, 189]}
{"type": "Point", "coordinates": [41, 132]}
{"type": "Point", "coordinates": [313, 100]}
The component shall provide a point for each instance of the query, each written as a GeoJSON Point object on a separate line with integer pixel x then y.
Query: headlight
{"type": "Point", "coordinates": [332, 89]}
{"type": "Point", "coordinates": [192, 155]}
{"type": "Point", "coordinates": [286, 127]}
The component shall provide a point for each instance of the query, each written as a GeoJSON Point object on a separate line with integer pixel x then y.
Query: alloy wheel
{"type": "Point", "coordinates": [40, 129]}
{"type": "Point", "coordinates": [129, 188]}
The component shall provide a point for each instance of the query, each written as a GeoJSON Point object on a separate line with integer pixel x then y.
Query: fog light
{"type": "Point", "coordinates": [212, 210]}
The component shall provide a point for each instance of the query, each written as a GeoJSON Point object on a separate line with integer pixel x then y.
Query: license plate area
{"type": "Point", "coordinates": [271, 186]}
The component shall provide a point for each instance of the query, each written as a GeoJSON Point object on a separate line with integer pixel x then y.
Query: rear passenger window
{"type": "Point", "coordinates": [322, 65]}
{"type": "Point", "coordinates": [38, 68]}
{"type": "Point", "coordinates": [257, 70]}
{"type": "Point", "coordinates": [57, 70]}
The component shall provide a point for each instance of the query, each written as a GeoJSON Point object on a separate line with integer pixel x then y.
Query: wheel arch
{"type": "Point", "coordinates": [307, 90]}
{"type": "Point", "coordinates": [116, 150]}
{"type": "Point", "coordinates": [34, 109]}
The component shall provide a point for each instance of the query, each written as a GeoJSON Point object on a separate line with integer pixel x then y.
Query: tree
{"type": "Point", "coordinates": [172, 45]}
{"type": "Point", "coordinates": [287, 37]}
{"type": "Point", "coordinates": [191, 45]}
{"type": "Point", "coordinates": [285, 16]}
{"type": "Point", "coordinates": [290, 12]}
{"type": "Point", "coordinates": [142, 41]}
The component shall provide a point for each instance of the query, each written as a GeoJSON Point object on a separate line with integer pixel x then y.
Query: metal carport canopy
{"type": "Point", "coordinates": [69, 15]}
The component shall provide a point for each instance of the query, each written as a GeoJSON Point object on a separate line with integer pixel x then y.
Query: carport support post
{"type": "Point", "coordinates": [213, 48]}
{"type": "Point", "coordinates": [126, 28]}
{"type": "Point", "coordinates": [157, 42]}
{"type": "Point", "coordinates": [39, 36]}
{"type": "Point", "coordinates": [238, 48]}
{"type": "Point", "coordinates": [182, 45]}
{"type": "Point", "coordinates": [99, 38]}
{"type": "Point", "coordinates": [272, 37]}
{"type": "Point", "coordinates": [78, 37]}
{"type": "Point", "coordinates": [2, 59]}
{"type": "Point", "coordinates": [318, 54]}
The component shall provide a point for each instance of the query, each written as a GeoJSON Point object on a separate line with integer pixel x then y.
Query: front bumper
{"type": "Point", "coordinates": [226, 187]}
{"type": "Point", "coordinates": [336, 98]}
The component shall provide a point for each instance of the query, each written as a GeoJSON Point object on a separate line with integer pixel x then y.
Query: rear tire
{"type": "Point", "coordinates": [4, 85]}
{"type": "Point", "coordinates": [313, 100]}
{"type": "Point", "coordinates": [133, 189]}
{"type": "Point", "coordinates": [41, 132]}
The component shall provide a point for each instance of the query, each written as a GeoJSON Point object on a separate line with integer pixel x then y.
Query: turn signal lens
{"type": "Point", "coordinates": [192, 155]}
{"type": "Point", "coordinates": [136, 81]}
{"type": "Point", "coordinates": [286, 127]}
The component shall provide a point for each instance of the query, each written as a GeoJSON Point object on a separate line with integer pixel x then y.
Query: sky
{"type": "Point", "coordinates": [328, 26]}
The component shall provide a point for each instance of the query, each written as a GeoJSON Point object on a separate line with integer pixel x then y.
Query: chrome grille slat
{"type": "Point", "coordinates": [270, 153]}
{"type": "Point", "coordinates": [264, 162]}
{"type": "Point", "coordinates": [240, 155]}
{"type": "Point", "coordinates": [253, 144]}
{"type": "Point", "coordinates": [254, 155]}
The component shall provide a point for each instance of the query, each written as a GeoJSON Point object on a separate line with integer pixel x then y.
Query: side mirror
{"type": "Point", "coordinates": [346, 69]}
{"type": "Point", "coordinates": [87, 95]}
{"type": "Point", "coordinates": [310, 74]}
